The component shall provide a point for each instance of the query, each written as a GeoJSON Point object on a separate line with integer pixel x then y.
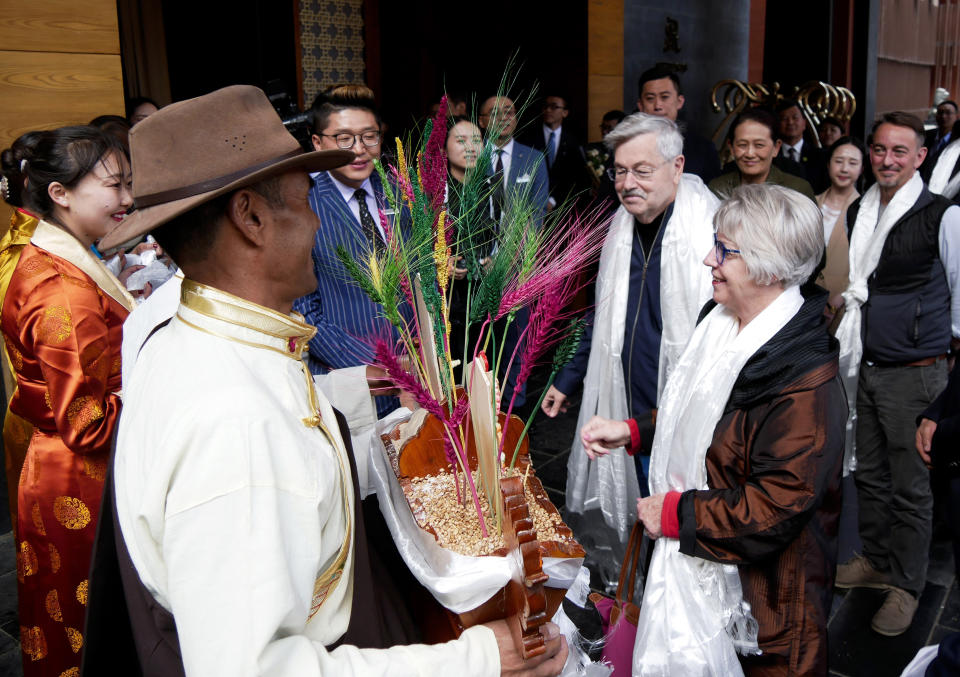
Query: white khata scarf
{"type": "Point", "coordinates": [866, 243]}
{"type": "Point", "coordinates": [940, 181]}
{"type": "Point", "coordinates": [693, 619]}
{"type": "Point", "coordinates": [610, 483]}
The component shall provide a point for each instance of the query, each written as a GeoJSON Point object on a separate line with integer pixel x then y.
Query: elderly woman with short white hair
{"type": "Point", "coordinates": [746, 464]}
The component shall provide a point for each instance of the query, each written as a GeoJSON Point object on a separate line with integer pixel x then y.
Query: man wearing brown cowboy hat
{"type": "Point", "coordinates": [239, 538]}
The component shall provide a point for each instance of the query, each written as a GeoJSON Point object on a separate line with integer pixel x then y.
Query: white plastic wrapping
{"type": "Point", "coordinates": [460, 583]}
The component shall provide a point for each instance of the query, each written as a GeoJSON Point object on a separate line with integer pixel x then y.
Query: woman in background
{"type": "Point", "coordinates": [845, 160]}
{"type": "Point", "coordinates": [464, 145]}
{"type": "Point", "coordinates": [753, 142]}
{"type": "Point", "coordinates": [62, 324]}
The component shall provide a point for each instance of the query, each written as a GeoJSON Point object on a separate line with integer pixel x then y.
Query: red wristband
{"type": "Point", "coordinates": [669, 520]}
{"type": "Point", "coordinates": [635, 440]}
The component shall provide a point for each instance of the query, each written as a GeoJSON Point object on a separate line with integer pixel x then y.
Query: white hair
{"type": "Point", "coordinates": [669, 138]}
{"type": "Point", "coordinates": [778, 231]}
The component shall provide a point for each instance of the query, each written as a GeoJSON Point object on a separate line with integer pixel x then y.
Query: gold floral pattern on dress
{"type": "Point", "coordinates": [52, 604]}
{"type": "Point", "coordinates": [27, 560]}
{"type": "Point", "coordinates": [82, 591]}
{"type": "Point", "coordinates": [35, 265]}
{"type": "Point", "coordinates": [33, 643]}
{"type": "Point", "coordinates": [16, 358]}
{"type": "Point", "coordinates": [75, 639]}
{"type": "Point", "coordinates": [115, 367]}
{"type": "Point", "coordinates": [37, 519]}
{"type": "Point", "coordinates": [95, 468]}
{"type": "Point", "coordinates": [47, 401]}
{"type": "Point", "coordinates": [56, 325]}
{"type": "Point", "coordinates": [54, 558]}
{"type": "Point", "coordinates": [82, 412]}
{"type": "Point", "coordinates": [71, 672]}
{"type": "Point", "coordinates": [71, 512]}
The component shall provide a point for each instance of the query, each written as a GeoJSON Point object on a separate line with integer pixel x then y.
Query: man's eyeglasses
{"type": "Point", "coordinates": [347, 141]}
{"type": "Point", "coordinates": [722, 250]}
{"type": "Point", "coordinates": [642, 174]}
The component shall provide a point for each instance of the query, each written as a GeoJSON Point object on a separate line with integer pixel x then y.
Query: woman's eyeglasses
{"type": "Point", "coordinates": [722, 250]}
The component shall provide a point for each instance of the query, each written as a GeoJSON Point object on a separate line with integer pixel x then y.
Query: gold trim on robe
{"type": "Point", "coordinates": [218, 313]}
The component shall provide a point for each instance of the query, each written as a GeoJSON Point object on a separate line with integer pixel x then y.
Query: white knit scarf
{"type": "Point", "coordinates": [609, 484]}
{"type": "Point", "coordinates": [940, 181]}
{"type": "Point", "coordinates": [866, 243]}
{"type": "Point", "coordinates": [693, 620]}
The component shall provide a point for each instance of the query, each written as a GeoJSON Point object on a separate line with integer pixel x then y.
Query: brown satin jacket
{"type": "Point", "coordinates": [773, 507]}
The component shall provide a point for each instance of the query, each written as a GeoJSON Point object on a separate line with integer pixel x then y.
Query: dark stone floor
{"type": "Point", "coordinates": [855, 650]}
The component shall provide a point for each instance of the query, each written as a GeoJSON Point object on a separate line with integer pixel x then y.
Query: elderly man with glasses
{"type": "Point", "coordinates": [348, 203]}
{"type": "Point", "coordinates": [656, 242]}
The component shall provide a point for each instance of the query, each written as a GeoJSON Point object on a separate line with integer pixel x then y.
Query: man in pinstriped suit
{"type": "Point", "coordinates": [347, 321]}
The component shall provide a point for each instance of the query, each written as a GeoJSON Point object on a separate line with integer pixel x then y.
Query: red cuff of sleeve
{"type": "Point", "coordinates": [635, 440]}
{"type": "Point", "coordinates": [669, 521]}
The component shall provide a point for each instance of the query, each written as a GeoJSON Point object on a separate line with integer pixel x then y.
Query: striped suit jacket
{"type": "Point", "coordinates": [348, 323]}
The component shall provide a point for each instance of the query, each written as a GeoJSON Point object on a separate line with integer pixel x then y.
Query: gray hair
{"type": "Point", "coordinates": [778, 231]}
{"type": "Point", "coordinates": [669, 138]}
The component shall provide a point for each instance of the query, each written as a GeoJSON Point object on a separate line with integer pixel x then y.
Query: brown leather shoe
{"type": "Point", "coordinates": [896, 614]}
{"type": "Point", "coordinates": [859, 573]}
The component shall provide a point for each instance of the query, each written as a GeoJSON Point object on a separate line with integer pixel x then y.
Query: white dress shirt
{"type": "Point", "coordinates": [556, 140]}
{"type": "Point", "coordinates": [349, 196]}
{"type": "Point", "coordinates": [798, 147]}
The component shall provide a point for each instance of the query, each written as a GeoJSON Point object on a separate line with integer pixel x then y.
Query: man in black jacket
{"type": "Point", "coordinates": [660, 94]}
{"type": "Point", "coordinates": [565, 160]}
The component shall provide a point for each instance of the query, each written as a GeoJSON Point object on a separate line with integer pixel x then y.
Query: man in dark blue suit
{"type": "Point", "coordinates": [522, 167]}
{"type": "Point", "coordinates": [517, 170]}
{"type": "Point", "coordinates": [348, 203]}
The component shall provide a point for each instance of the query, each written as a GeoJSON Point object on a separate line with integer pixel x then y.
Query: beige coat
{"type": "Point", "coordinates": [835, 274]}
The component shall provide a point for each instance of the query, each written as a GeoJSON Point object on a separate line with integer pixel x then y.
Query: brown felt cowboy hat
{"type": "Point", "coordinates": [193, 151]}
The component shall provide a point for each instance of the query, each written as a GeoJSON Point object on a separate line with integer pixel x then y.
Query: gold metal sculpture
{"type": "Point", "coordinates": [817, 100]}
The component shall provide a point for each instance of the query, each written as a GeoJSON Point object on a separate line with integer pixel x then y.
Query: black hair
{"type": "Point", "coordinates": [951, 102]}
{"type": "Point", "coordinates": [658, 73]}
{"type": "Point", "coordinates": [340, 98]}
{"type": "Point", "coordinates": [137, 101]}
{"type": "Point", "coordinates": [859, 145]}
{"type": "Point", "coordinates": [787, 104]}
{"type": "Point", "coordinates": [189, 237]}
{"type": "Point", "coordinates": [617, 115]}
{"type": "Point", "coordinates": [102, 121]}
{"type": "Point", "coordinates": [65, 156]}
{"type": "Point", "coordinates": [900, 119]}
{"type": "Point", "coordinates": [456, 120]}
{"type": "Point", "coordinates": [758, 115]}
{"type": "Point", "coordinates": [11, 161]}
{"type": "Point", "coordinates": [830, 120]}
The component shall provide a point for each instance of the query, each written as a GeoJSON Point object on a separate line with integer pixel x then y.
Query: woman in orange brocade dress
{"type": "Point", "coordinates": [62, 321]}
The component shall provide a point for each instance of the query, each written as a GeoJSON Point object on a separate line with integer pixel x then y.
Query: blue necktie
{"type": "Point", "coordinates": [551, 153]}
